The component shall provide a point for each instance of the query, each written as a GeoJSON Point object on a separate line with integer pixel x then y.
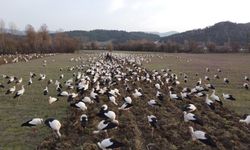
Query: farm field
{"type": "Point", "coordinates": [33, 104]}
{"type": "Point", "coordinates": [233, 66]}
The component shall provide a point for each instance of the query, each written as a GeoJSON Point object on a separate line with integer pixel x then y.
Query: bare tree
{"type": "Point", "coordinates": [109, 47]}
{"type": "Point", "coordinates": [94, 46]}
{"type": "Point", "coordinates": [211, 47]}
{"type": "Point", "coordinates": [13, 28]}
{"type": "Point", "coordinates": [2, 36]}
{"type": "Point", "coordinates": [44, 38]}
{"type": "Point", "coordinates": [2, 26]}
{"type": "Point", "coordinates": [31, 37]}
{"type": "Point", "coordinates": [58, 41]}
{"type": "Point", "coordinates": [63, 43]}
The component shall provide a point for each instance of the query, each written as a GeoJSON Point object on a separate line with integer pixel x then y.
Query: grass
{"type": "Point", "coordinates": [33, 104]}
{"type": "Point", "coordinates": [233, 66]}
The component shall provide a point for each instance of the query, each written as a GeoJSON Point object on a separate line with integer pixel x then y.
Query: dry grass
{"type": "Point", "coordinates": [233, 66]}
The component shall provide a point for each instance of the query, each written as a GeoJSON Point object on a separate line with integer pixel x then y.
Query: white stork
{"type": "Point", "coordinates": [108, 144]}
{"type": "Point", "coordinates": [54, 124]}
{"type": "Point", "coordinates": [202, 136]}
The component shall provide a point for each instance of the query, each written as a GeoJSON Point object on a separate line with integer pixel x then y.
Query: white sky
{"type": "Point", "coordinates": [130, 15]}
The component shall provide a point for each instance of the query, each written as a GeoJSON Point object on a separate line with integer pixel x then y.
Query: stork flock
{"type": "Point", "coordinates": [115, 80]}
{"type": "Point", "coordinates": [6, 59]}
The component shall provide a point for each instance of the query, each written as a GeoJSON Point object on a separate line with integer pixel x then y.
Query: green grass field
{"type": "Point", "coordinates": [34, 104]}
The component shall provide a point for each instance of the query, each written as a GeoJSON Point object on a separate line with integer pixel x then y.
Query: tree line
{"type": "Point", "coordinates": [172, 47]}
{"type": "Point", "coordinates": [40, 41]}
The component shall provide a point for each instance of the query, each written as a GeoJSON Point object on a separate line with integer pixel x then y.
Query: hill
{"type": "Point", "coordinates": [111, 35]}
{"type": "Point", "coordinates": [219, 33]}
{"type": "Point", "coordinates": [163, 34]}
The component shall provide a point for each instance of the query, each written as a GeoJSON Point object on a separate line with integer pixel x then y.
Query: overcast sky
{"type": "Point", "coordinates": [129, 15]}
